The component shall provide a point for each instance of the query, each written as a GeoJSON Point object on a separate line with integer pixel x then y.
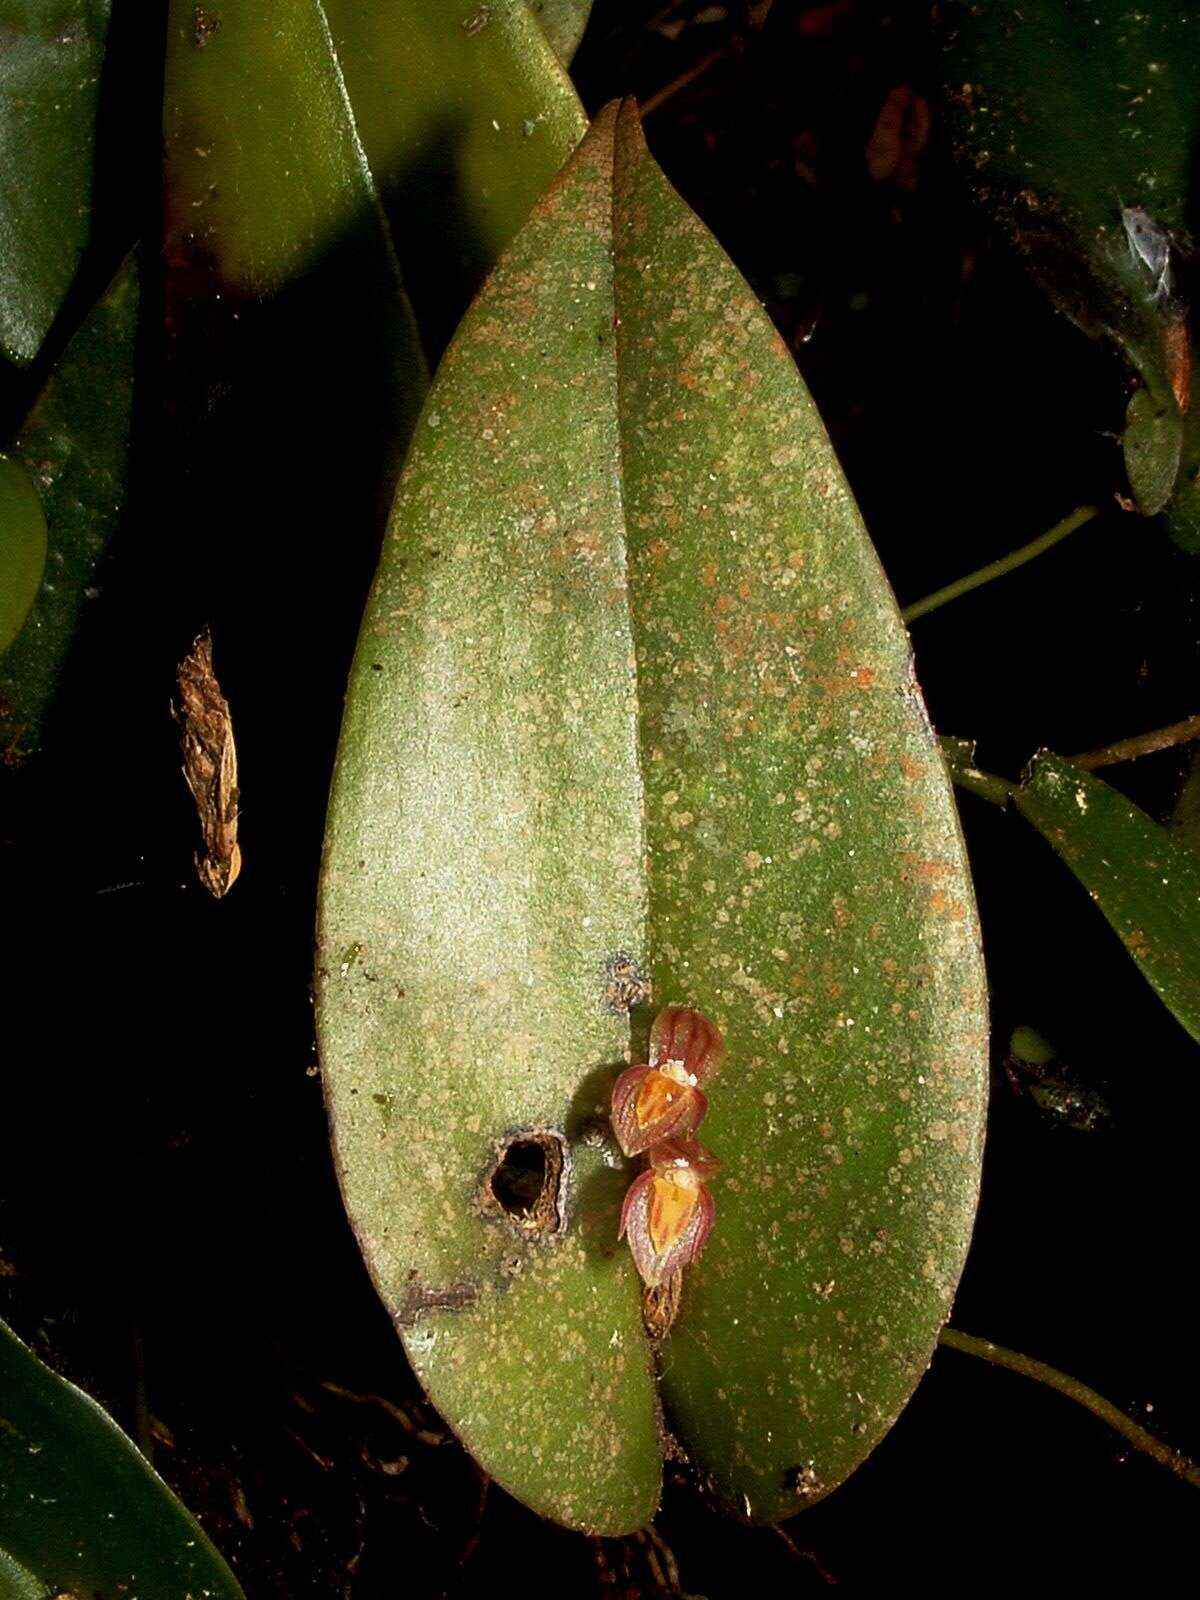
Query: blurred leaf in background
{"type": "Point", "coordinates": [563, 22]}
{"type": "Point", "coordinates": [75, 447]}
{"type": "Point", "coordinates": [81, 1510]}
{"type": "Point", "coordinates": [1077, 126]}
{"type": "Point", "coordinates": [51, 60]}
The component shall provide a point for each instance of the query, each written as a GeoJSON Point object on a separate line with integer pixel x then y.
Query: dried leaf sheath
{"type": "Point", "coordinates": [210, 766]}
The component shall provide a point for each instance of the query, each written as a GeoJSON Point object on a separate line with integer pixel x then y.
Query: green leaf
{"type": "Point", "coordinates": [265, 168]}
{"type": "Point", "coordinates": [81, 1511]}
{"type": "Point", "coordinates": [1146, 884]}
{"type": "Point", "coordinates": [563, 22]}
{"type": "Point", "coordinates": [1152, 441]}
{"type": "Point", "coordinates": [283, 126]}
{"type": "Point", "coordinates": [51, 53]}
{"type": "Point", "coordinates": [75, 446]}
{"type": "Point", "coordinates": [632, 721]}
{"type": "Point", "coordinates": [465, 114]}
{"type": "Point", "coordinates": [22, 548]}
{"type": "Point", "coordinates": [1090, 173]}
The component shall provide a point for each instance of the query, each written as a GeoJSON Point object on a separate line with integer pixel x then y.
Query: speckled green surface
{"type": "Point", "coordinates": [632, 682]}
{"type": "Point", "coordinates": [1145, 880]}
{"type": "Point", "coordinates": [81, 1510]}
{"type": "Point", "coordinates": [75, 446]}
{"type": "Point", "coordinates": [51, 56]}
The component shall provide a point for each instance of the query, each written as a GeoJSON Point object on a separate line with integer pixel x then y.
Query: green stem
{"type": "Point", "coordinates": [997, 569]}
{"type": "Point", "coordinates": [1174, 1460]}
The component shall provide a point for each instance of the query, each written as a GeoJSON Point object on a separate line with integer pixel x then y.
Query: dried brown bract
{"type": "Point", "coordinates": [210, 766]}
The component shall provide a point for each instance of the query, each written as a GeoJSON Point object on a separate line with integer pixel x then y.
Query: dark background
{"type": "Point", "coordinates": [171, 1233]}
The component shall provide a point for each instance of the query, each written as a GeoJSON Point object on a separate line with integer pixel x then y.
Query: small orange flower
{"type": "Point", "coordinates": [668, 1210]}
{"type": "Point", "coordinates": [663, 1100]}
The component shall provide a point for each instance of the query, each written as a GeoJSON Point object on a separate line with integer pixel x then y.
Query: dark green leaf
{"type": "Point", "coordinates": [1146, 884]}
{"type": "Point", "coordinates": [22, 547]}
{"type": "Point", "coordinates": [1152, 441]}
{"type": "Point", "coordinates": [75, 446]}
{"type": "Point", "coordinates": [633, 720]}
{"type": "Point", "coordinates": [1088, 166]}
{"type": "Point", "coordinates": [81, 1511]}
{"type": "Point", "coordinates": [465, 115]}
{"type": "Point", "coordinates": [51, 53]}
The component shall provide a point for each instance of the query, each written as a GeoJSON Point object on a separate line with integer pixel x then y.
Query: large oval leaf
{"type": "Point", "coordinates": [632, 721]}
{"type": "Point", "coordinates": [75, 445]}
{"type": "Point", "coordinates": [51, 53]}
{"type": "Point", "coordinates": [81, 1511]}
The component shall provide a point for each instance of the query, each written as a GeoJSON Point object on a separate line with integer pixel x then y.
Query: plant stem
{"type": "Point", "coordinates": [997, 569]}
{"type": "Point", "coordinates": [1141, 744]}
{"type": "Point", "coordinates": [689, 75]}
{"type": "Point", "coordinates": [1174, 1460]}
{"type": "Point", "coordinates": [985, 784]}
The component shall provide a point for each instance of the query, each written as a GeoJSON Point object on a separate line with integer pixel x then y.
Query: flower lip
{"type": "Point", "coordinates": [684, 1155]}
{"type": "Point", "coordinates": [685, 1039]}
{"type": "Point", "coordinates": [648, 1107]}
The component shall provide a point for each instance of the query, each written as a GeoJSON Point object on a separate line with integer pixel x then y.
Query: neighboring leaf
{"type": "Point", "coordinates": [22, 548]}
{"type": "Point", "coordinates": [465, 114]}
{"type": "Point", "coordinates": [81, 1510]}
{"type": "Point", "coordinates": [563, 22]}
{"type": "Point", "coordinates": [265, 168]}
{"type": "Point", "coordinates": [51, 54]}
{"type": "Point", "coordinates": [1093, 181]}
{"type": "Point", "coordinates": [1184, 821]}
{"type": "Point", "coordinates": [632, 722]}
{"type": "Point", "coordinates": [1152, 441]}
{"type": "Point", "coordinates": [283, 124]}
{"type": "Point", "coordinates": [75, 445]}
{"type": "Point", "coordinates": [1146, 884]}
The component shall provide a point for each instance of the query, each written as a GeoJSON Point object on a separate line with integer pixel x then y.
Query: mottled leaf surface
{"type": "Point", "coordinates": [81, 1510]}
{"type": "Point", "coordinates": [1145, 879]}
{"type": "Point", "coordinates": [632, 696]}
{"type": "Point", "coordinates": [75, 446]}
{"type": "Point", "coordinates": [51, 55]}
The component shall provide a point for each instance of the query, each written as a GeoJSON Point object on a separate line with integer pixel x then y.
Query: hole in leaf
{"type": "Point", "coordinates": [527, 1182]}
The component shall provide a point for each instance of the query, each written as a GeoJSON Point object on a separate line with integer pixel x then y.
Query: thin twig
{"type": "Point", "coordinates": [696, 70]}
{"type": "Point", "coordinates": [1174, 1460]}
{"type": "Point", "coordinates": [800, 1554]}
{"type": "Point", "coordinates": [396, 1412]}
{"type": "Point", "coordinates": [1006, 564]}
{"type": "Point", "coordinates": [1141, 744]}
